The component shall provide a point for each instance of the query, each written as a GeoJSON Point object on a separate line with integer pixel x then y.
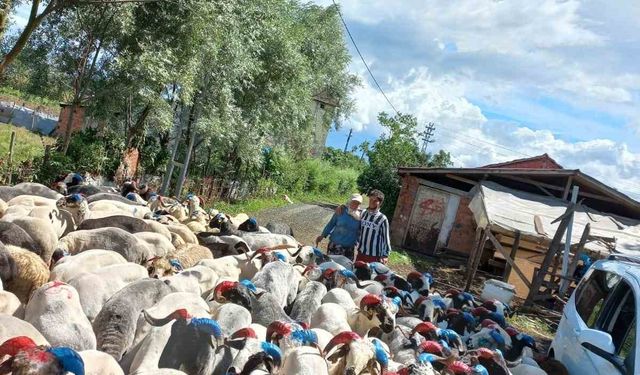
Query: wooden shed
{"type": "Point", "coordinates": [434, 213]}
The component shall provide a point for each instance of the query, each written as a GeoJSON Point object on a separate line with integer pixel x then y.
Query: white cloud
{"type": "Point", "coordinates": [562, 74]}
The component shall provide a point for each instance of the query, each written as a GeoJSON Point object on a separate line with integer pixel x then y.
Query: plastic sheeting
{"type": "Point", "coordinates": [513, 210]}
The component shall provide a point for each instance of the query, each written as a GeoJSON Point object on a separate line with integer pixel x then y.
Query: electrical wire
{"type": "Point", "coordinates": [362, 58]}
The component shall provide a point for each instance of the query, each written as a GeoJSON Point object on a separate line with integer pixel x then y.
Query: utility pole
{"type": "Point", "coordinates": [348, 139]}
{"type": "Point", "coordinates": [427, 136]}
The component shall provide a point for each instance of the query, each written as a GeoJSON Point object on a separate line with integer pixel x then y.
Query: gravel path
{"type": "Point", "coordinates": [306, 220]}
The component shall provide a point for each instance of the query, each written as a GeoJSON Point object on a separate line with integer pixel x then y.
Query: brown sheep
{"type": "Point", "coordinates": [178, 260]}
{"type": "Point", "coordinates": [32, 273]}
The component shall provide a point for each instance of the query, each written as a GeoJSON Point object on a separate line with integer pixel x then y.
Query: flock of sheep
{"type": "Point", "coordinates": [93, 283]}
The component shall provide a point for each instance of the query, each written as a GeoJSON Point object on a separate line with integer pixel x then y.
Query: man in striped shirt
{"type": "Point", "coordinates": [374, 244]}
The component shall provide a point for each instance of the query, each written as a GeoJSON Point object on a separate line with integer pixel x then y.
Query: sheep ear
{"type": "Point", "coordinates": [338, 354]}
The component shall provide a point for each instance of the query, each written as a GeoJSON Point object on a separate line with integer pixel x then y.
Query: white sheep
{"type": "Point", "coordinates": [158, 243]}
{"type": "Point", "coordinates": [10, 304]}
{"type": "Point", "coordinates": [232, 266]}
{"type": "Point", "coordinates": [96, 287]}
{"type": "Point", "coordinates": [31, 201]}
{"type": "Point", "coordinates": [99, 363]}
{"type": "Point", "coordinates": [72, 266]}
{"type": "Point", "coordinates": [204, 277]}
{"type": "Point", "coordinates": [305, 360]}
{"type": "Point", "coordinates": [42, 232]}
{"type": "Point", "coordinates": [126, 244]}
{"type": "Point", "coordinates": [61, 220]}
{"type": "Point", "coordinates": [10, 327]}
{"type": "Point", "coordinates": [183, 231]}
{"type": "Point", "coordinates": [184, 257]}
{"type": "Point", "coordinates": [56, 312]}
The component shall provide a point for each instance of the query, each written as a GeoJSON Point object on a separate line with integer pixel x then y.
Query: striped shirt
{"type": "Point", "coordinates": [374, 234]}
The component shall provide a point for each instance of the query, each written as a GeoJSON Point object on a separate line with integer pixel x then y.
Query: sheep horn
{"type": "Point", "coordinates": [272, 351]}
{"type": "Point", "coordinates": [370, 300]}
{"type": "Point", "coordinates": [296, 253]}
{"type": "Point", "coordinates": [223, 287]}
{"type": "Point", "coordinates": [14, 345]}
{"type": "Point", "coordinates": [152, 259]}
{"type": "Point", "coordinates": [278, 327]}
{"type": "Point", "coordinates": [245, 333]}
{"type": "Point", "coordinates": [178, 314]}
{"type": "Point", "coordinates": [341, 338]}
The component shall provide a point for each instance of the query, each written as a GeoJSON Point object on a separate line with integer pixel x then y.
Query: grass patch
{"type": "Point", "coordinates": [402, 258]}
{"type": "Point", "coordinates": [28, 145]}
{"type": "Point", "coordinates": [530, 324]}
{"type": "Point", "coordinates": [49, 106]}
{"type": "Point", "coordinates": [255, 205]}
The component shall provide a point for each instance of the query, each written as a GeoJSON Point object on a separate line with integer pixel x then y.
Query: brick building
{"type": "Point", "coordinates": [433, 214]}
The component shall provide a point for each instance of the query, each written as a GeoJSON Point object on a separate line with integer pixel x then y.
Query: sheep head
{"type": "Point", "coordinates": [354, 353]}
{"type": "Point", "coordinates": [382, 308]}
{"type": "Point", "coordinates": [159, 267]}
{"type": "Point", "coordinates": [236, 292]}
{"type": "Point", "coordinates": [270, 356]}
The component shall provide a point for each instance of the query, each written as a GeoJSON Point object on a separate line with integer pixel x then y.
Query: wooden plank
{"type": "Point", "coordinates": [448, 222]}
{"type": "Point", "coordinates": [558, 188]}
{"type": "Point", "coordinates": [553, 250]}
{"type": "Point", "coordinates": [461, 179]}
{"type": "Point", "coordinates": [537, 223]}
{"type": "Point", "coordinates": [514, 249]}
{"type": "Point", "coordinates": [437, 186]}
{"type": "Point", "coordinates": [567, 188]}
{"type": "Point", "coordinates": [574, 262]}
{"type": "Point", "coordinates": [525, 245]}
{"type": "Point", "coordinates": [513, 265]}
{"type": "Point", "coordinates": [477, 255]}
{"type": "Point", "coordinates": [545, 191]}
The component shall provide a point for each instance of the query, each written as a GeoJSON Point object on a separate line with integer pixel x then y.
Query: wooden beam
{"type": "Point", "coordinates": [473, 250]}
{"type": "Point", "coordinates": [461, 179]}
{"type": "Point", "coordinates": [511, 262]}
{"type": "Point", "coordinates": [514, 250]}
{"type": "Point", "coordinates": [574, 262]}
{"type": "Point", "coordinates": [471, 273]}
{"type": "Point", "coordinates": [558, 188]}
{"type": "Point", "coordinates": [553, 250]}
{"type": "Point", "coordinates": [546, 191]}
{"type": "Point", "coordinates": [438, 186]}
{"type": "Point", "coordinates": [567, 188]}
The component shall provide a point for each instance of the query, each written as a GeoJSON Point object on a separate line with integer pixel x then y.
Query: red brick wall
{"type": "Point", "coordinates": [464, 229]}
{"type": "Point", "coordinates": [403, 209]}
{"type": "Point", "coordinates": [77, 122]}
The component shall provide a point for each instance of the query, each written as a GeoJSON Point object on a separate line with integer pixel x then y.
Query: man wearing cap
{"type": "Point", "coordinates": [343, 229]}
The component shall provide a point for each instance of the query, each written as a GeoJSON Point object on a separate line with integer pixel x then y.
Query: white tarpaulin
{"type": "Point", "coordinates": [514, 210]}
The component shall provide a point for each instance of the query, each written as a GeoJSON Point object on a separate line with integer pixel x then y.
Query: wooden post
{"type": "Point", "coordinates": [473, 251]}
{"type": "Point", "coordinates": [512, 256]}
{"type": "Point", "coordinates": [471, 273]}
{"type": "Point", "coordinates": [553, 250]}
{"type": "Point", "coordinates": [574, 262]}
{"type": "Point", "coordinates": [12, 143]}
{"type": "Point", "coordinates": [510, 261]}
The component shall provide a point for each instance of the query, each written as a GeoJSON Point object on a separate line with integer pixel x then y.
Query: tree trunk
{"type": "Point", "coordinates": [68, 130]}
{"type": "Point", "coordinates": [32, 23]}
{"type": "Point", "coordinates": [5, 10]}
{"type": "Point", "coordinates": [185, 167]}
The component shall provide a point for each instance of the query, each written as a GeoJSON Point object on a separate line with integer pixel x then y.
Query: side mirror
{"type": "Point", "coordinates": [597, 338]}
{"type": "Point", "coordinates": [601, 344]}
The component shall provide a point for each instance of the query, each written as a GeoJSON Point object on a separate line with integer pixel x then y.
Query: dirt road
{"type": "Point", "coordinates": [306, 220]}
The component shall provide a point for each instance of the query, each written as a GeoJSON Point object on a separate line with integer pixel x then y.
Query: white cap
{"type": "Point", "coordinates": [356, 197]}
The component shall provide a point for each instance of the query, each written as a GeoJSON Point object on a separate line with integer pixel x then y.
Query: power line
{"type": "Point", "coordinates": [362, 58]}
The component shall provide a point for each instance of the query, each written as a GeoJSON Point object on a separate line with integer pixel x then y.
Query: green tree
{"type": "Point", "coordinates": [397, 147]}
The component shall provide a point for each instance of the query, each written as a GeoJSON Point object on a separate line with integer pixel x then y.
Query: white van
{"type": "Point", "coordinates": [598, 331]}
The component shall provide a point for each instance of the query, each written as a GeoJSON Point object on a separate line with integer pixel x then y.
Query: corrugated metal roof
{"type": "Point", "coordinates": [512, 210]}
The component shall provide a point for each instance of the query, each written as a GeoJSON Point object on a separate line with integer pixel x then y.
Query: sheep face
{"type": "Point", "coordinates": [8, 267]}
{"type": "Point", "coordinates": [159, 267]}
{"type": "Point", "coordinates": [359, 358]}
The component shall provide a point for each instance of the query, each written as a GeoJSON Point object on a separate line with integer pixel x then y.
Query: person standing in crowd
{"type": "Point", "coordinates": [374, 242]}
{"type": "Point", "coordinates": [343, 229]}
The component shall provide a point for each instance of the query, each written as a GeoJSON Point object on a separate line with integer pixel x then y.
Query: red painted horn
{"type": "Point", "coordinates": [370, 300]}
{"type": "Point", "coordinates": [223, 287]}
{"type": "Point", "coordinates": [277, 327]}
{"type": "Point", "coordinates": [414, 275]}
{"type": "Point", "coordinates": [431, 347]}
{"type": "Point", "coordinates": [178, 314]}
{"type": "Point", "coordinates": [424, 327]}
{"type": "Point", "coordinates": [459, 368]}
{"type": "Point", "coordinates": [341, 338]}
{"type": "Point", "coordinates": [15, 345]}
{"type": "Point", "coordinates": [244, 333]}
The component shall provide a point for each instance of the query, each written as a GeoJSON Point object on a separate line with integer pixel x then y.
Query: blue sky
{"type": "Point", "coordinates": [506, 79]}
{"type": "Point", "coordinates": [503, 79]}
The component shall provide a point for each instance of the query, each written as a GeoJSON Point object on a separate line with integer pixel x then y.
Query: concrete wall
{"type": "Point", "coordinates": [24, 118]}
